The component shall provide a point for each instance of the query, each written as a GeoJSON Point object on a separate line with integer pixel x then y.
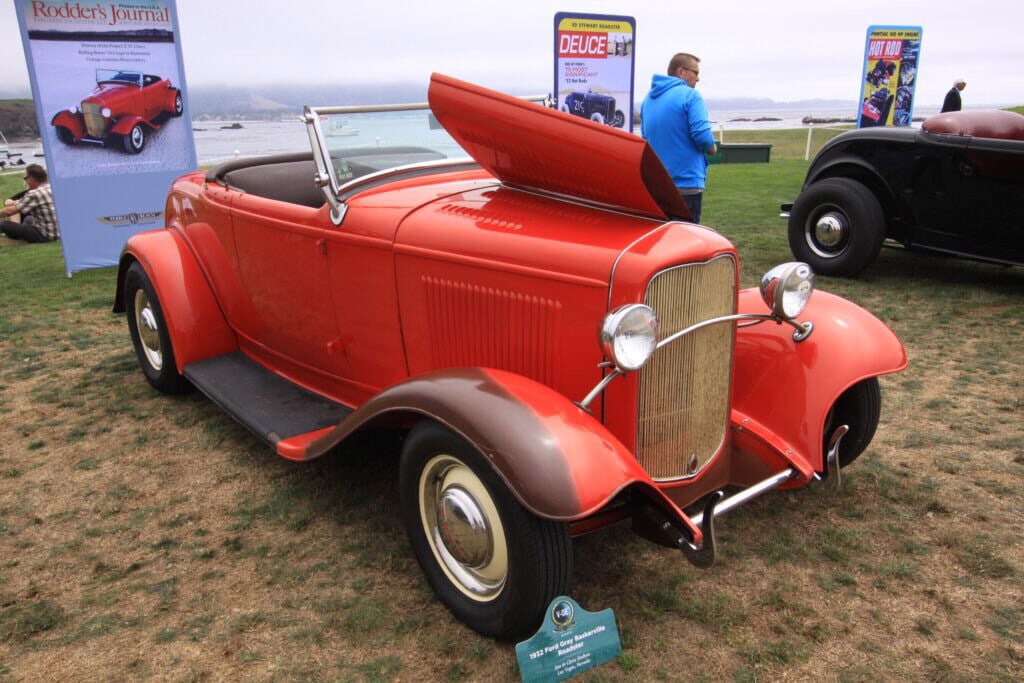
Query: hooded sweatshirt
{"type": "Point", "coordinates": [675, 123]}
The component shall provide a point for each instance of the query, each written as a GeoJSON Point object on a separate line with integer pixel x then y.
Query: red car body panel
{"type": "Point", "coordinates": [472, 296]}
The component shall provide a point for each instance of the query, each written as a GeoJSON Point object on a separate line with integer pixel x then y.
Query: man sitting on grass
{"type": "Point", "coordinates": [35, 206]}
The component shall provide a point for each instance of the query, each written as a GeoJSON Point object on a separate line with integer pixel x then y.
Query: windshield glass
{"type": "Point", "coordinates": [362, 143]}
{"type": "Point", "coordinates": [111, 76]}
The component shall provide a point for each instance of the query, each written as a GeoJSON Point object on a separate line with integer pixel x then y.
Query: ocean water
{"type": "Point", "coordinates": [216, 141]}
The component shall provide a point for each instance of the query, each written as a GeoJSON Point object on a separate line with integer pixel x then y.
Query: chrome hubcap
{"type": "Point", "coordinates": [827, 235]}
{"type": "Point", "coordinates": [463, 528]}
{"type": "Point", "coordinates": [149, 331]}
{"type": "Point", "coordinates": [137, 136]}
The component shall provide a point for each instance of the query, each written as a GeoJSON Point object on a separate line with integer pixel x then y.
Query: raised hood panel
{"type": "Point", "coordinates": [534, 147]}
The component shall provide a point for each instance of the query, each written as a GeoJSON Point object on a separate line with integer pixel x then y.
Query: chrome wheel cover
{"type": "Point", "coordinates": [178, 105]}
{"type": "Point", "coordinates": [148, 330]}
{"type": "Point", "coordinates": [463, 528]}
{"type": "Point", "coordinates": [827, 231]}
{"type": "Point", "coordinates": [137, 137]}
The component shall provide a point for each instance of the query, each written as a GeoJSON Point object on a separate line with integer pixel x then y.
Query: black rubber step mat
{"type": "Point", "coordinates": [271, 406]}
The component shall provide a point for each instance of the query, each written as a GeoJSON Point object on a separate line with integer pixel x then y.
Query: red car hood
{"type": "Point", "coordinates": [108, 93]}
{"type": "Point", "coordinates": [534, 147]}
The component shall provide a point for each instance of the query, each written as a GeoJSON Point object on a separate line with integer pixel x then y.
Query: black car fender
{"type": "Point", "coordinates": [855, 168]}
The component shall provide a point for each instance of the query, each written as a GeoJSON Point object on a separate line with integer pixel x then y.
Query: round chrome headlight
{"type": "Point", "coordinates": [786, 288]}
{"type": "Point", "coordinates": [106, 112]}
{"type": "Point", "coordinates": [629, 335]}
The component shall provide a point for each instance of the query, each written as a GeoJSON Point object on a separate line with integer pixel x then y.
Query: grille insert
{"type": "Point", "coordinates": [684, 388]}
{"type": "Point", "coordinates": [95, 124]}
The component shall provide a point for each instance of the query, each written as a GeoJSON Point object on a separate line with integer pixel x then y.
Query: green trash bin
{"type": "Point", "coordinates": [742, 153]}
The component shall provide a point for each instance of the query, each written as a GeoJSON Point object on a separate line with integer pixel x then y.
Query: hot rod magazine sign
{"type": "Point", "coordinates": [594, 56]}
{"type": "Point", "coordinates": [109, 91]}
{"type": "Point", "coordinates": [891, 55]}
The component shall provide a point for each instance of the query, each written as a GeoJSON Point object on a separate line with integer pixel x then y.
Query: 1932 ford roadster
{"type": "Point", "coordinates": [561, 347]}
{"type": "Point", "coordinates": [593, 106]}
{"type": "Point", "coordinates": [124, 108]}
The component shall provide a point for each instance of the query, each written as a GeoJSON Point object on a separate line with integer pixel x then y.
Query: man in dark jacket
{"type": "Point", "coordinates": [952, 101]}
{"type": "Point", "coordinates": [675, 123]}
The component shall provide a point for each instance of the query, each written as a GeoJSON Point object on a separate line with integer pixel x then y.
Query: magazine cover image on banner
{"type": "Point", "coordinates": [594, 67]}
{"type": "Point", "coordinates": [891, 58]}
{"type": "Point", "coordinates": [109, 87]}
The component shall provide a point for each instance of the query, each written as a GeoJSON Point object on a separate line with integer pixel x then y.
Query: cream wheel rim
{"type": "Point", "coordinates": [463, 528]}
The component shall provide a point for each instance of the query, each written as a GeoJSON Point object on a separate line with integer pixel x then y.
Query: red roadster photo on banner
{"type": "Point", "coordinates": [123, 110]}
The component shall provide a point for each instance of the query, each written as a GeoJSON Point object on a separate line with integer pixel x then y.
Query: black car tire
{"type": "Point", "coordinates": [148, 329]}
{"type": "Point", "coordinates": [859, 407]}
{"type": "Point", "coordinates": [854, 213]}
{"type": "Point", "coordinates": [620, 119]}
{"type": "Point", "coordinates": [179, 104]}
{"type": "Point", "coordinates": [135, 140]}
{"type": "Point", "coordinates": [512, 566]}
{"type": "Point", "coordinates": [65, 135]}
{"type": "Point", "coordinates": [597, 117]}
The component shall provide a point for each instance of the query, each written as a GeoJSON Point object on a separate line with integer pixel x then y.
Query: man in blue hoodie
{"type": "Point", "coordinates": [675, 123]}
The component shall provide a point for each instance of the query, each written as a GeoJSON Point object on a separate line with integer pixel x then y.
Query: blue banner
{"type": "Point", "coordinates": [108, 83]}
{"type": "Point", "coordinates": [889, 76]}
{"type": "Point", "coordinates": [594, 57]}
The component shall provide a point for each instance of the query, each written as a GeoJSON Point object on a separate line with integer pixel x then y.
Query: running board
{"type": "Point", "coordinates": [705, 555]}
{"type": "Point", "coordinates": [267, 404]}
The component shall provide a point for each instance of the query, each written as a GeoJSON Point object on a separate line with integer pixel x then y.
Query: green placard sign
{"type": "Point", "coordinates": [570, 641]}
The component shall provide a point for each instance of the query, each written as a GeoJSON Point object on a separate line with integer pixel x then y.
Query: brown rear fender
{"type": "Point", "coordinates": [556, 458]}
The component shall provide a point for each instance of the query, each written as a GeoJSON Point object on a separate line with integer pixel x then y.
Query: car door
{"type": "Point", "coordinates": [282, 264]}
{"type": "Point", "coordinates": [991, 199]}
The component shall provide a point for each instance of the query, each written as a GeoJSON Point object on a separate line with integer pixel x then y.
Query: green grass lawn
{"type": "Point", "coordinates": [151, 537]}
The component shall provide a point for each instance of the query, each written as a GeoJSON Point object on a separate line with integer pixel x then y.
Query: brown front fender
{"type": "Point", "coordinates": [557, 459]}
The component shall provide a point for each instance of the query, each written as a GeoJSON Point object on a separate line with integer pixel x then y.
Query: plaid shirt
{"type": "Point", "coordinates": [38, 204]}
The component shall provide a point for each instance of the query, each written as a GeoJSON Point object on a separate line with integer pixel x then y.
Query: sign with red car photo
{"type": "Point", "coordinates": [891, 57]}
{"type": "Point", "coordinates": [594, 55]}
{"type": "Point", "coordinates": [108, 87]}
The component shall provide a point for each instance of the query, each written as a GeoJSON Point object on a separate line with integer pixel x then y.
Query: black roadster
{"type": "Point", "coordinates": [955, 186]}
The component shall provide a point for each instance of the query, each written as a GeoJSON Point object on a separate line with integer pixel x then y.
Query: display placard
{"type": "Point", "coordinates": [570, 641]}
{"type": "Point", "coordinates": [594, 57]}
{"type": "Point", "coordinates": [889, 76]}
{"type": "Point", "coordinates": [110, 98]}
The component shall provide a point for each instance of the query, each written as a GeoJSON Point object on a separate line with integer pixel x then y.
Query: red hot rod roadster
{"type": "Point", "coordinates": [561, 347]}
{"type": "Point", "coordinates": [123, 108]}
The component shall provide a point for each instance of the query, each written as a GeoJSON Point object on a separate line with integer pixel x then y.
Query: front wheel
{"type": "Point", "coordinates": [620, 119]}
{"type": "Point", "coordinates": [860, 408]}
{"type": "Point", "coordinates": [135, 140]}
{"type": "Point", "coordinates": [65, 135]}
{"type": "Point", "coordinates": [148, 330]}
{"type": "Point", "coordinates": [179, 105]}
{"type": "Point", "coordinates": [494, 564]}
{"type": "Point", "coordinates": [836, 226]}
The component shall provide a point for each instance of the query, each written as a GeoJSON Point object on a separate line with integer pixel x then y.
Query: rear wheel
{"type": "Point", "coordinates": [494, 564]}
{"type": "Point", "coordinates": [836, 226]}
{"type": "Point", "coordinates": [148, 330]}
{"type": "Point", "coordinates": [859, 407]}
{"type": "Point", "coordinates": [597, 117]}
{"type": "Point", "coordinates": [179, 105]}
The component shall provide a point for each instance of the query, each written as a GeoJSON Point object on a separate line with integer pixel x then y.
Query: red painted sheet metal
{"type": "Point", "coordinates": [534, 147]}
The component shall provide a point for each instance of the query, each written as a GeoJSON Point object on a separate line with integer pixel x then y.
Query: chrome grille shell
{"type": "Point", "coordinates": [95, 123]}
{"type": "Point", "coordinates": [683, 391]}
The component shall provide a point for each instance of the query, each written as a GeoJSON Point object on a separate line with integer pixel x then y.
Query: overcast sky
{"type": "Point", "coordinates": [786, 49]}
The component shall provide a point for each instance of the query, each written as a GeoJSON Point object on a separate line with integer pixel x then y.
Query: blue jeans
{"type": "Point", "coordinates": [694, 202]}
